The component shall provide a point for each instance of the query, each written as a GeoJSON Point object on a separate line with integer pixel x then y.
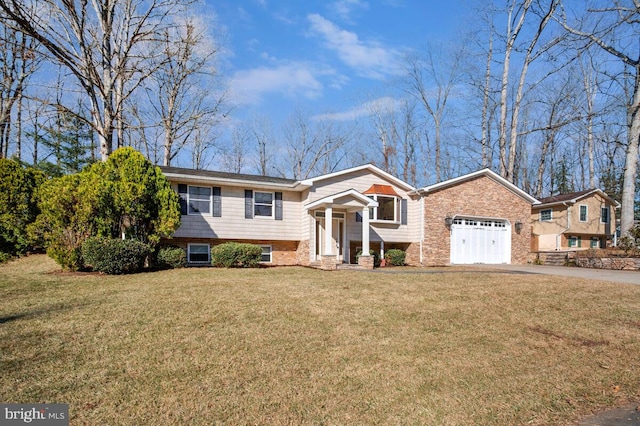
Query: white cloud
{"type": "Point", "coordinates": [343, 8]}
{"type": "Point", "coordinates": [369, 59]}
{"type": "Point", "coordinates": [293, 79]}
{"type": "Point", "coordinates": [385, 104]}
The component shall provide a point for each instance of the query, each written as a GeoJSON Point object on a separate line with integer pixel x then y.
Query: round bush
{"type": "Point", "coordinates": [171, 257]}
{"type": "Point", "coordinates": [114, 256]}
{"type": "Point", "coordinates": [395, 257]}
{"type": "Point", "coordinates": [236, 255]}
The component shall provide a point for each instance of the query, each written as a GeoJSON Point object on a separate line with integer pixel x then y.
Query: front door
{"type": "Point", "coordinates": [337, 238]}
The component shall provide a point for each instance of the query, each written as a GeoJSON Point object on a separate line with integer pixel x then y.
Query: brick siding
{"type": "Point", "coordinates": [283, 253]}
{"type": "Point", "coordinates": [479, 197]}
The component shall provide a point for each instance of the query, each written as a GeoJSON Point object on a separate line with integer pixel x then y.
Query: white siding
{"type": "Point", "coordinates": [233, 225]}
{"type": "Point", "coordinates": [361, 181]}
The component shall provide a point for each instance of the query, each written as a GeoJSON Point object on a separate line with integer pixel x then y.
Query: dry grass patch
{"type": "Point", "coordinates": [300, 346]}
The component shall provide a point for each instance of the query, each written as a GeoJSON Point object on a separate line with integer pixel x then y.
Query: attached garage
{"type": "Point", "coordinates": [476, 218]}
{"type": "Point", "coordinates": [475, 240]}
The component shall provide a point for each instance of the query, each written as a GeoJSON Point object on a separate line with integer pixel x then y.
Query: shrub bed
{"type": "Point", "coordinates": [171, 257]}
{"type": "Point", "coordinates": [114, 256]}
{"type": "Point", "coordinates": [236, 255]}
{"type": "Point", "coordinates": [395, 257]}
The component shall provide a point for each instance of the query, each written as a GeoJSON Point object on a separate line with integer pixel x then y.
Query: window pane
{"type": "Point", "coordinates": [604, 215]}
{"type": "Point", "coordinates": [545, 215]}
{"type": "Point", "coordinates": [263, 197]}
{"type": "Point", "coordinates": [198, 253]}
{"type": "Point", "coordinates": [583, 213]}
{"type": "Point", "coordinates": [260, 210]}
{"type": "Point", "coordinates": [386, 208]}
{"type": "Point", "coordinates": [196, 206]}
{"type": "Point", "coordinates": [199, 192]}
{"type": "Point", "coordinates": [266, 254]}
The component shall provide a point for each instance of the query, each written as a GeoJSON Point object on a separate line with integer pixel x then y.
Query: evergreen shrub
{"type": "Point", "coordinates": [395, 257]}
{"type": "Point", "coordinates": [114, 256]}
{"type": "Point", "coordinates": [236, 255]}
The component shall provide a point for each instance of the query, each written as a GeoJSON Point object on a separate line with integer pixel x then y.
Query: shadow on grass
{"type": "Point", "coordinates": [58, 307]}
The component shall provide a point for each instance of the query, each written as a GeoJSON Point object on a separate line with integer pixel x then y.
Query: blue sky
{"type": "Point", "coordinates": [324, 57]}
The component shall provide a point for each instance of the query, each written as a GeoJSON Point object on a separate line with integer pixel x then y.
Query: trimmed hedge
{"type": "Point", "coordinates": [114, 256]}
{"type": "Point", "coordinates": [375, 254]}
{"type": "Point", "coordinates": [171, 257]}
{"type": "Point", "coordinates": [395, 257]}
{"type": "Point", "coordinates": [236, 255]}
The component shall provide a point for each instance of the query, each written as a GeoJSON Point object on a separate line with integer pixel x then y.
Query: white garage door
{"type": "Point", "coordinates": [480, 241]}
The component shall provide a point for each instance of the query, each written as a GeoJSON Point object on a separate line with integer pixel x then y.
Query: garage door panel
{"type": "Point", "coordinates": [480, 241]}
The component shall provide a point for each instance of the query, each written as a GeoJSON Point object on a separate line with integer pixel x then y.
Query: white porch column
{"type": "Point", "coordinates": [328, 231]}
{"type": "Point", "coordinates": [365, 231]}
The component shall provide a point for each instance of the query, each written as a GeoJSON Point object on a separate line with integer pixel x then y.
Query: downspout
{"type": "Point", "coordinates": [422, 225]}
{"type": "Point", "coordinates": [559, 238]}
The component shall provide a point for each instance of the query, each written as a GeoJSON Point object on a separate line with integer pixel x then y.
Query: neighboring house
{"type": "Point", "coordinates": [579, 220]}
{"type": "Point", "coordinates": [476, 218]}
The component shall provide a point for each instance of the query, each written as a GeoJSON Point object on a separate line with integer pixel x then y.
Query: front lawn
{"type": "Point", "coordinates": [301, 346]}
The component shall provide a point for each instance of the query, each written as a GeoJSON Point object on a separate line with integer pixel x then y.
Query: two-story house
{"type": "Point", "coordinates": [475, 218]}
{"type": "Point", "coordinates": [578, 220]}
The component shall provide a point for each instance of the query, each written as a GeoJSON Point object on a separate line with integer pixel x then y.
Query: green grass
{"type": "Point", "coordinates": [300, 346]}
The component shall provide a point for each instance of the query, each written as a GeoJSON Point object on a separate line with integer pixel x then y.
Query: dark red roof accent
{"type": "Point", "coordinates": [381, 190]}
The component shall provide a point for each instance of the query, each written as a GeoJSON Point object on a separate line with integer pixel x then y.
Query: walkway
{"type": "Point", "coordinates": [628, 277]}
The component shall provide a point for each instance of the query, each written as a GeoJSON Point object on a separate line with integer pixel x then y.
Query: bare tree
{"type": "Point", "coordinates": [382, 113]}
{"type": "Point", "coordinates": [309, 142]}
{"type": "Point", "coordinates": [431, 81]}
{"type": "Point", "coordinates": [262, 135]}
{"type": "Point", "coordinates": [181, 92]}
{"type": "Point", "coordinates": [19, 59]}
{"type": "Point", "coordinates": [234, 155]}
{"type": "Point", "coordinates": [103, 43]}
{"type": "Point", "coordinates": [614, 29]}
{"type": "Point", "coordinates": [515, 20]}
{"type": "Point", "coordinates": [531, 55]}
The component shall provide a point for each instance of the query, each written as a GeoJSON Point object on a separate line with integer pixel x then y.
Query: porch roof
{"type": "Point", "coordinates": [349, 200]}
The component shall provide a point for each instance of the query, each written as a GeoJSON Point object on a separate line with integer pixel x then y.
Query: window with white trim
{"type": "Point", "coordinates": [198, 253]}
{"type": "Point", "coordinates": [595, 242]}
{"type": "Point", "coordinates": [388, 209]}
{"type": "Point", "coordinates": [199, 200]}
{"type": "Point", "coordinates": [266, 254]}
{"type": "Point", "coordinates": [545, 215]}
{"type": "Point", "coordinates": [584, 213]}
{"type": "Point", "coordinates": [604, 215]}
{"type": "Point", "coordinates": [263, 204]}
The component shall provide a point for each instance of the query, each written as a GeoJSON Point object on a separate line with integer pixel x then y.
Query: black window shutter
{"type": "Point", "coordinates": [403, 212]}
{"type": "Point", "coordinates": [358, 217]}
{"type": "Point", "coordinates": [182, 192]}
{"type": "Point", "coordinates": [217, 201]}
{"type": "Point", "coordinates": [248, 204]}
{"type": "Point", "coordinates": [278, 205]}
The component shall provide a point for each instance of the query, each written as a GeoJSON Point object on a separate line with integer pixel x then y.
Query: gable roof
{"type": "Point", "coordinates": [486, 173]}
{"type": "Point", "coordinates": [351, 194]}
{"type": "Point", "coordinates": [368, 167]}
{"type": "Point", "coordinates": [574, 197]}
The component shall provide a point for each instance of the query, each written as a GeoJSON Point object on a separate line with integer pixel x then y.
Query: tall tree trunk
{"type": "Point", "coordinates": [631, 159]}
{"type": "Point", "coordinates": [485, 106]}
{"type": "Point", "coordinates": [512, 35]}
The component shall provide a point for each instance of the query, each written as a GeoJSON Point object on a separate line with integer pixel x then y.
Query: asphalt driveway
{"type": "Point", "coordinates": [628, 277]}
